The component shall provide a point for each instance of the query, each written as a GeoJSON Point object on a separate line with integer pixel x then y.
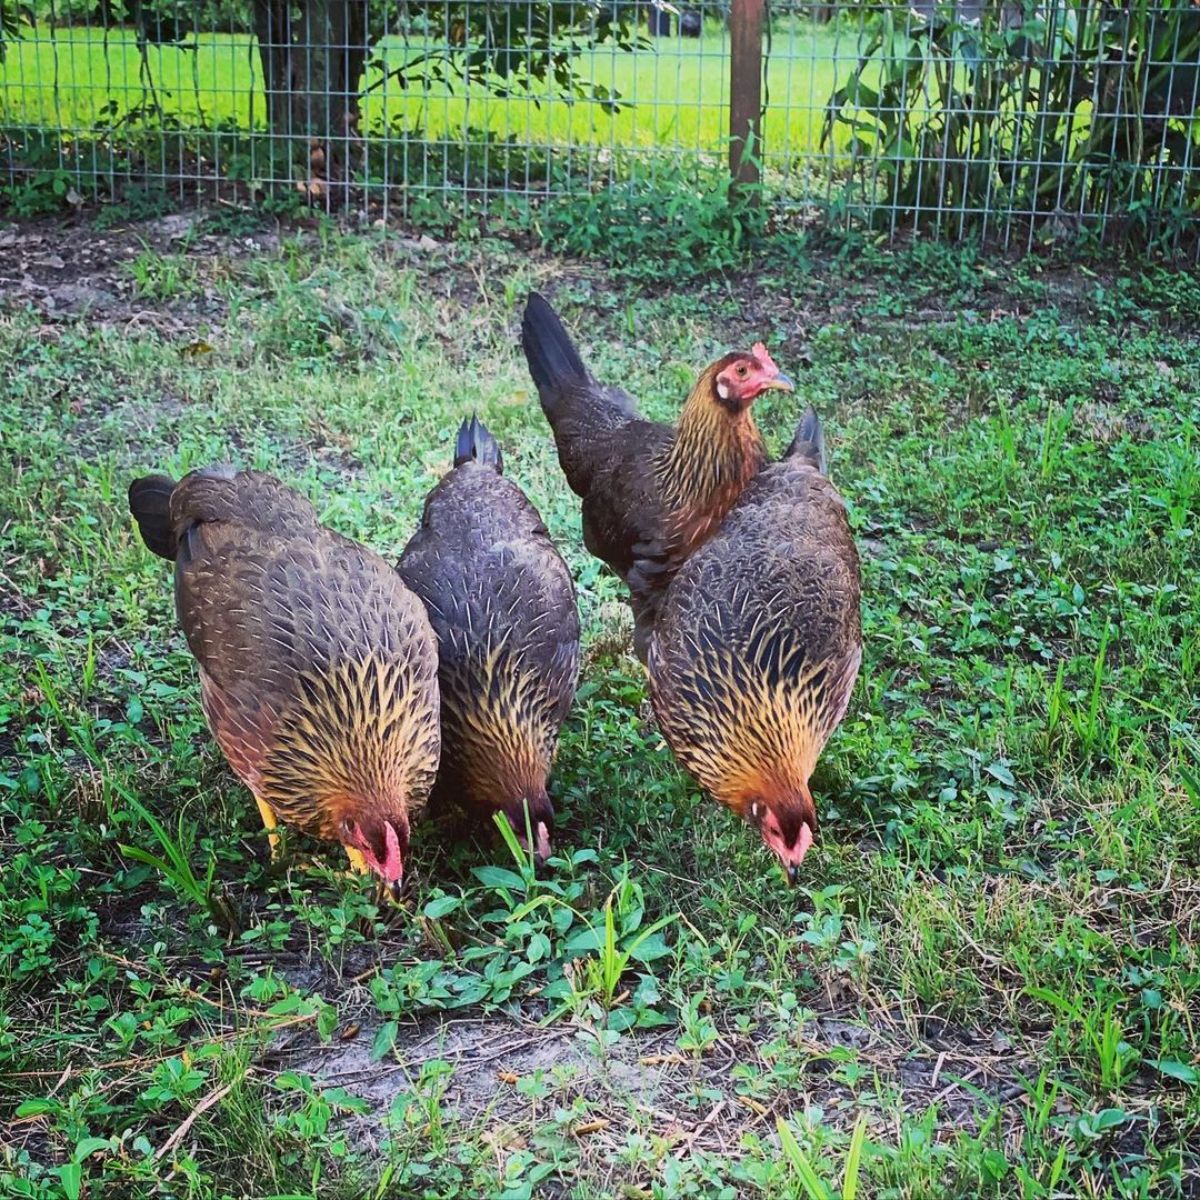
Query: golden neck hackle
{"type": "Point", "coordinates": [503, 735]}
{"type": "Point", "coordinates": [715, 452]}
{"type": "Point", "coordinates": [347, 741]}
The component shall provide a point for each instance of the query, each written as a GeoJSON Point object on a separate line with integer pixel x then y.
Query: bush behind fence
{"type": "Point", "coordinates": [1010, 118]}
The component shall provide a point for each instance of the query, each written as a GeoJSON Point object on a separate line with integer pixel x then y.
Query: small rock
{"type": "Point", "coordinates": [174, 227]}
{"type": "Point", "coordinates": [74, 297]}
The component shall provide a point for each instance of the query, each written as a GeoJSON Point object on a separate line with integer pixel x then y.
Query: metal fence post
{"type": "Point", "coordinates": [745, 89]}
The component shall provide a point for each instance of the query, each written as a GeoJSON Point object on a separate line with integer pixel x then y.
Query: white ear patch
{"type": "Point", "coordinates": [754, 809]}
{"type": "Point", "coordinates": [722, 389]}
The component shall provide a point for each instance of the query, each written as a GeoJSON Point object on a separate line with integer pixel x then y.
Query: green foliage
{"type": "Point", "coordinates": [41, 192]}
{"type": "Point", "coordinates": [1079, 107]}
{"type": "Point", "coordinates": [509, 49]}
{"type": "Point", "coordinates": [136, 204]}
{"type": "Point", "coordinates": [810, 1181]}
{"type": "Point", "coordinates": [175, 866]}
{"type": "Point", "coordinates": [14, 19]}
{"type": "Point", "coordinates": [696, 218]}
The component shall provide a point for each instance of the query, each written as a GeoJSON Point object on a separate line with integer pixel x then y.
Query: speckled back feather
{"type": "Point", "coordinates": [318, 666]}
{"type": "Point", "coordinates": [502, 603]}
{"type": "Point", "coordinates": [651, 492]}
{"type": "Point", "coordinates": [759, 640]}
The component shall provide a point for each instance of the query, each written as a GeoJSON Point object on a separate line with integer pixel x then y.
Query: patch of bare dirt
{"type": "Point", "coordinates": [70, 269]}
{"type": "Point", "coordinates": [644, 1084]}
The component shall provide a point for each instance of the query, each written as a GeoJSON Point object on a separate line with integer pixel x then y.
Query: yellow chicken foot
{"type": "Point", "coordinates": [269, 824]}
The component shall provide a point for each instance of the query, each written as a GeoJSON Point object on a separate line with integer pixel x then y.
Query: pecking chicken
{"type": "Point", "coordinates": [651, 493]}
{"type": "Point", "coordinates": [318, 667]}
{"type": "Point", "coordinates": [758, 645]}
{"type": "Point", "coordinates": [502, 604]}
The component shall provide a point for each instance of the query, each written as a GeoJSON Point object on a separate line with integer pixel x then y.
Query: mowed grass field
{"type": "Point", "coordinates": [987, 983]}
{"type": "Point", "coordinates": [675, 94]}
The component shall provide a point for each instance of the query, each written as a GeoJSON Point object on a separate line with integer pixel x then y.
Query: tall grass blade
{"type": "Point", "coordinates": [814, 1187]}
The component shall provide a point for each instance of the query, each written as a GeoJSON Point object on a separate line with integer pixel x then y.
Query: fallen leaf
{"type": "Point", "coordinates": [196, 349]}
{"type": "Point", "coordinates": [591, 1127]}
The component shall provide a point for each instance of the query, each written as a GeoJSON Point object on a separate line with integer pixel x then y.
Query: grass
{"type": "Point", "coordinates": [676, 94]}
{"type": "Point", "coordinates": [987, 984]}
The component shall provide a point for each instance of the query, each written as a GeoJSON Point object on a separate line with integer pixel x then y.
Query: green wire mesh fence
{"type": "Point", "coordinates": [1008, 119]}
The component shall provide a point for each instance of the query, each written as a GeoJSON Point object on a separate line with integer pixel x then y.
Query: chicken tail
{"type": "Point", "coordinates": [809, 443]}
{"type": "Point", "coordinates": [553, 360]}
{"type": "Point", "coordinates": [150, 504]}
{"type": "Point", "coordinates": [475, 442]}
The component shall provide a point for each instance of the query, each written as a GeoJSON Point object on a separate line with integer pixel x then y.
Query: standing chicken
{"type": "Point", "coordinates": [651, 493]}
{"type": "Point", "coordinates": [758, 645]}
{"type": "Point", "coordinates": [318, 667]}
{"type": "Point", "coordinates": [503, 606]}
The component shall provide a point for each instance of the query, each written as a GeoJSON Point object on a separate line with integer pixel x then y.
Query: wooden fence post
{"type": "Point", "coordinates": [745, 89]}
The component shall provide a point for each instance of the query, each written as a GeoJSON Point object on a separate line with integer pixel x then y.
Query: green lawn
{"type": "Point", "coordinates": [990, 968]}
{"type": "Point", "coordinates": [677, 93]}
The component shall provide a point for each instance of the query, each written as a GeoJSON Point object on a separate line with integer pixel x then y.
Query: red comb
{"type": "Point", "coordinates": [760, 352]}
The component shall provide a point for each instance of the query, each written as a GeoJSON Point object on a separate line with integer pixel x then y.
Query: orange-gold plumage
{"type": "Point", "coordinates": [757, 646]}
{"type": "Point", "coordinates": [318, 667]}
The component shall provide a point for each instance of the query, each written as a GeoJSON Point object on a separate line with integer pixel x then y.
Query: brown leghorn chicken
{"type": "Point", "coordinates": [758, 645]}
{"type": "Point", "coordinates": [651, 493]}
{"type": "Point", "coordinates": [318, 667]}
{"type": "Point", "coordinates": [502, 605]}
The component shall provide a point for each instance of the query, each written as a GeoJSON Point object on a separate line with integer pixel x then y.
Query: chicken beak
{"type": "Point", "coordinates": [793, 873]}
{"type": "Point", "coordinates": [541, 850]}
{"type": "Point", "coordinates": [781, 383]}
{"type": "Point", "coordinates": [395, 889]}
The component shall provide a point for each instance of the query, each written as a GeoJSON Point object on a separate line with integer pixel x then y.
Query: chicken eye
{"type": "Point", "coordinates": [741, 372]}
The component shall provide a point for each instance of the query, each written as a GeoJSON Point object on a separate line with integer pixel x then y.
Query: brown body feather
{"type": "Point", "coordinates": [502, 603]}
{"type": "Point", "coordinates": [651, 493]}
{"type": "Point", "coordinates": [759, 642]}
{"type": "Point", "coordinates": [318, 666]}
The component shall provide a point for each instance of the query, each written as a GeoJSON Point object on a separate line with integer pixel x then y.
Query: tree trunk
{"type": "Point", "coordinates": [745, 91]}
{"type": "Point", "coordinates": [312, 62]}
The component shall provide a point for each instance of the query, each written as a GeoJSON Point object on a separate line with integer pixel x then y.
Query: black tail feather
{"type": "Point", "coordinates": [552, 357]}
{"type": "Point", "coordinates": [809, 443]}
{"type": "Point", "coordinates": [476, 442]}
{"type": "Point", "coordinates": [150, 503]}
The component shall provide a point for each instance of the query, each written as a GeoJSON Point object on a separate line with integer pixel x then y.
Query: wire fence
{"type": "Point", "coordinates": [1008, 118]}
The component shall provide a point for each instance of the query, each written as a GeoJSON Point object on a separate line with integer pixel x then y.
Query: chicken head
{"type": "Point", "coordinates": [744, 377]}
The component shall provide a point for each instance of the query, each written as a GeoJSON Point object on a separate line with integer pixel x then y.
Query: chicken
{"type": "Point", "coordinates": [318, 667]}
{"type": "Point", "coordinates": [503, 606]}
{"type": "Point", "coordinates": [758, 645]}
{"type": "Point", "coordinates": [651, 493]}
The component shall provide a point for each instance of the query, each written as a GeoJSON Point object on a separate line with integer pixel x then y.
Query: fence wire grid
{"type": "Point", "coordinates": [1008, 118]}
